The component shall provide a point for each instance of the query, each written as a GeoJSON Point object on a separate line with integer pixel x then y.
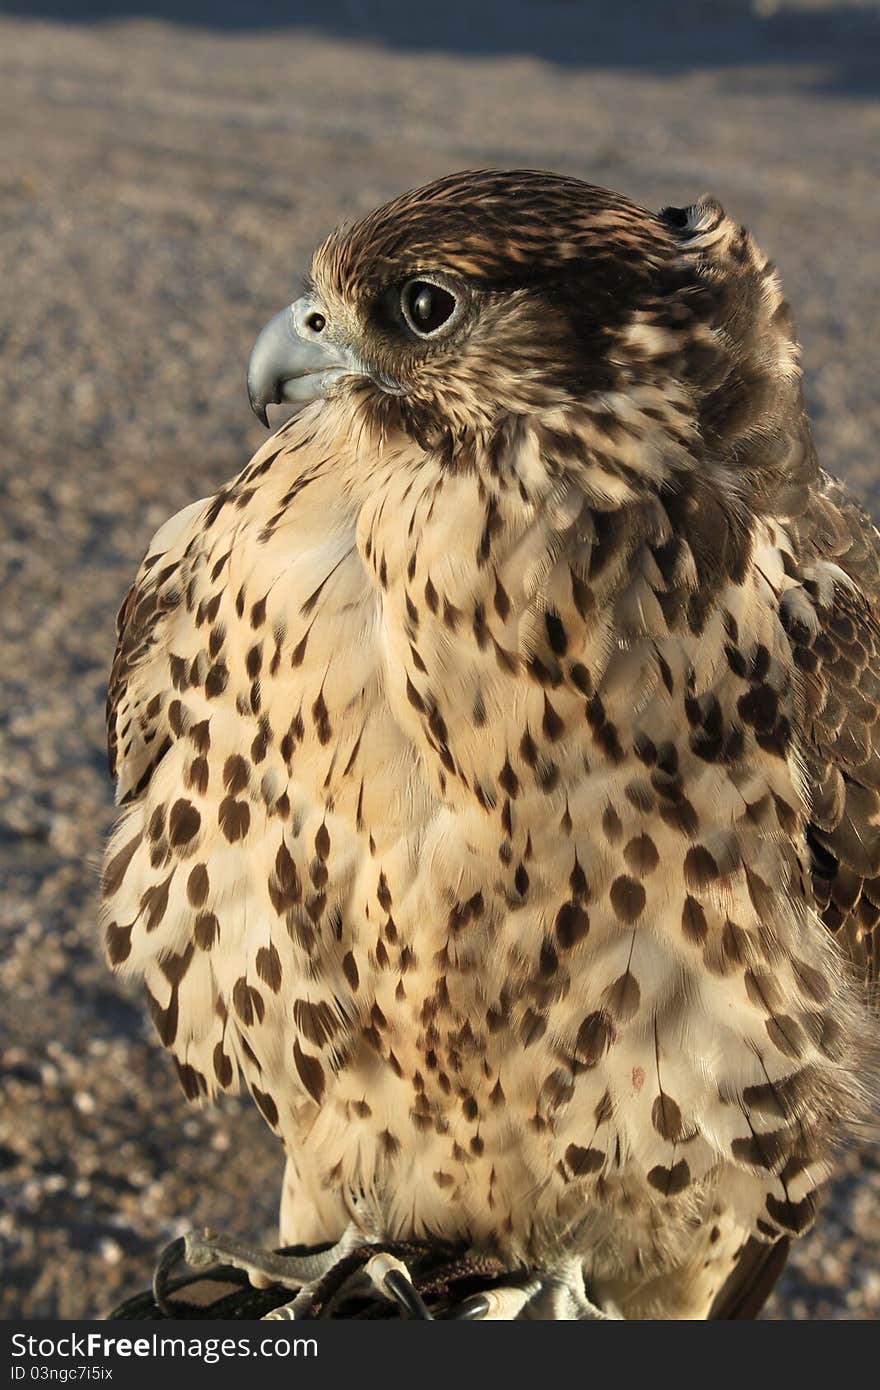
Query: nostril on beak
{"type": "Point", "coordinates": [315, 321]}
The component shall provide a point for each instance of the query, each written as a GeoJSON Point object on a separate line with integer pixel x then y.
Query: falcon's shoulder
{"type": "Point", "coordinates": [137, 734]}
{"type": "Point", "coordinates": [835, 640]}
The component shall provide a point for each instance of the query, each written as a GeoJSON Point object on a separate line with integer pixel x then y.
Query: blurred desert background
{"type": "Point", "coordinates": [166, 168]}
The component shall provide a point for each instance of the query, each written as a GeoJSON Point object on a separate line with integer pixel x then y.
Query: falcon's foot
{"type": "Point", "coordinates": [382, 1274]}
{"type": "Point", "coordinates": [547, 1297]}
{"type": "Point", "coordinates": [266, 1267]}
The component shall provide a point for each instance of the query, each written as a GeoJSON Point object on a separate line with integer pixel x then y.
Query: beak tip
{"type": "Point", "coordinates": [259, 407]}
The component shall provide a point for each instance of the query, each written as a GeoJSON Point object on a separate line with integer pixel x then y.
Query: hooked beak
{"type": "Point", "coordinates": [295, 360]}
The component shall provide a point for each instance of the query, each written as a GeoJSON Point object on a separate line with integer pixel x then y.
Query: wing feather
{"type": "Point", "coordinates": [138, 733]}
{"type": "Point", "coordinates": [838, 657]}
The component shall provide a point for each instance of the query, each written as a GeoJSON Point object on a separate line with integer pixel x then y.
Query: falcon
{"type": "Point", "coordinates": [495, 758]}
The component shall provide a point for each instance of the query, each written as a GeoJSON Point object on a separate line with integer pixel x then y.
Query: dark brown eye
{"type": "Point", "coordinates": [426, 307]}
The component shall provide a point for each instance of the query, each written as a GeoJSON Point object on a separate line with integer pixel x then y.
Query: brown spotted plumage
{"type": "Point", "coordinates": [496, 752]}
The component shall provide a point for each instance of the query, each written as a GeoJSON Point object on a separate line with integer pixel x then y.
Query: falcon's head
{"type": "Point", "coordinates": [491, 297]}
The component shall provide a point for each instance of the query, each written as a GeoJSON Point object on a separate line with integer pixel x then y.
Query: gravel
{"type": "Point", "coordinates": [163, 180]}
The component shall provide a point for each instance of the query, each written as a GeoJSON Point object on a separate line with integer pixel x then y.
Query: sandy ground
{"type": "Point", "coordinates": [161, 184]}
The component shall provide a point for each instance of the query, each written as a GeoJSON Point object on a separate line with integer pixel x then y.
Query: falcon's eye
{"type": "Point", "coordinates": [426, 307]}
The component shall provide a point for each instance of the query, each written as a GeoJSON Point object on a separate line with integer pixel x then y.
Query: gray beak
{"type": "Point", "coordinates": [295, 360]}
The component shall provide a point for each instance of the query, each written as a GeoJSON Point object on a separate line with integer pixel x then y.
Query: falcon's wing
{"type": "Point", "coordinates": [752, 1281]}
{"type": "Point", "coordinates": [137, 732]}
{"type": "Point", "coordinates": [839, 664]}
{"type": "Point", "coordinates": [838, 659]}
